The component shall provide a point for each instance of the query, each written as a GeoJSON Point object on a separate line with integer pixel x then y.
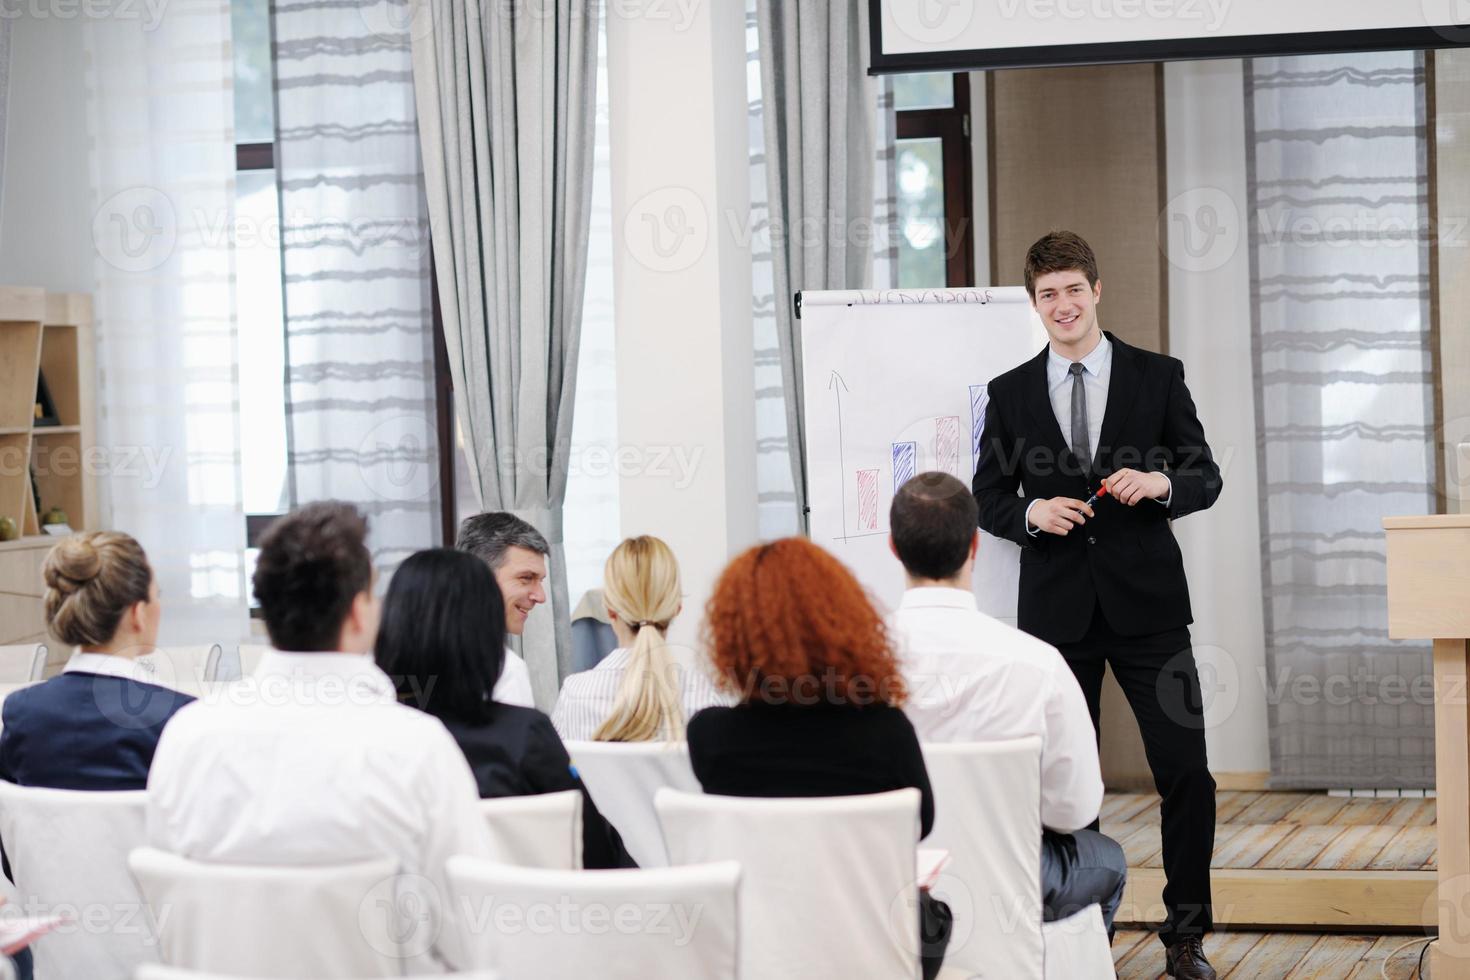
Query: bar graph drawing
{"type": "Point", "coordinates": [905, 463]}
{"type": "Point", "coordinates": [947, 445]}
{"type": "Point", "coordinates": [867, 492]}
{"type": "Point", "coordinates": [979, 399]}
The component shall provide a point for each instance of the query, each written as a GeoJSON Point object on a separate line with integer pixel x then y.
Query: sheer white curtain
{"type": "Point", "coordinates": [355, 259]}
{"type": "Point", "coordinates": [775, 489]}
{"type": "Point", "coordinates": [161, 118]}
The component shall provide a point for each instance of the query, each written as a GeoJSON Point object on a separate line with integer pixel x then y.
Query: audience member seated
{"type": "Point", "coordinates": [972, 678]}
{"type": "Point", "coordinates": [794, 638]}
{"type": "Point", "coordinates": [637, 693]}
{"type": "Point", "coordinates": [94, 726]}
{"type": "Point", "coordinates": [516, 552]}
{"type": "Point", "coordinates": [442, 641]}
{"type": "Point", "coordinates": [322, 765]}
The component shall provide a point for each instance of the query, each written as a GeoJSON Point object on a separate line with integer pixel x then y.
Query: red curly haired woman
{"type": "Point", "coordinates": [793, 636]}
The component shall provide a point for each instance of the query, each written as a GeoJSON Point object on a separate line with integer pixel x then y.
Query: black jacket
{"type": "Point", "coordinates": [1125, 559]}
{"type": "Point", "coordinates": [518, 753]}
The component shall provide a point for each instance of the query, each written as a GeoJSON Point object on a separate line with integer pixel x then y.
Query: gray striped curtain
{"type": "Point", "coordinates": [355, 257]}
{"type": "Point", "coordinates": [779, 512]}
{"type": "Point", "coordinates": [1338, 191]}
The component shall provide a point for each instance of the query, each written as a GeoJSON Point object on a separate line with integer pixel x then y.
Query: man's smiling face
{"type": "Point", "coordinates": [520, 577]}
{"type": "Point", "coordinates": [1067, 306]}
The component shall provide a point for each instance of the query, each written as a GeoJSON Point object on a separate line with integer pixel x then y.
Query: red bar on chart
{"type": "Point", "coordinates": [867, 494]}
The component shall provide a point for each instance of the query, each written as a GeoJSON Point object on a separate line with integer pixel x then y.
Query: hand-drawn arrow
{"type": "Point", "coordinates": [833, 382]}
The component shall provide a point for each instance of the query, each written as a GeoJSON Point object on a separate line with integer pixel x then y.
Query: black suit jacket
{"type": "Point", "coordinates": [518, 753]}
{"type": "Point", "coordinates": [84, 731]}
{"type": "Point", "coordinates": [1124, 559]}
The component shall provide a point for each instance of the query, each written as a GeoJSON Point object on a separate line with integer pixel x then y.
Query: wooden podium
{"type": "Point", "coordinates": [1429, 599]}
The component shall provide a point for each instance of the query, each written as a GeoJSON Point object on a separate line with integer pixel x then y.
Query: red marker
{"type": "Point", "coordinates": [1102, 492]}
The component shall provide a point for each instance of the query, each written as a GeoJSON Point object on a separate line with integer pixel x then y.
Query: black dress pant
{"type": "Point", "coordinates": [1078, 870]}
{"type": "Point", "coordinates": [1158, 677]}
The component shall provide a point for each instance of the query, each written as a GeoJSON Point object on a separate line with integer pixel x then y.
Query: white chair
{"type": "Point", "coordinates": [320, 921]}
{"type": "Point", "coordinates": [612, 925]}
{"type": "Point", "coordinates": [250, 656]}
{"type": "Point", "coordinates": [160, 972]}
{"type": "Point", "coordinates": [827, 885]}
{"type": "Point", "coordinates": [542, 831]}
{"type": "Point", "coordinates": [623, 778]}
{"type": "Point", "coordinates": [21, 663]}
{"type": "Point", "coordinates": [69, 850]}
{"type": "Point", "coordinates": [989, 818]}
{"type": "Point", "coordinates": [185, 669]}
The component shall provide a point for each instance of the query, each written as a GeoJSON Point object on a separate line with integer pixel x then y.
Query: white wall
{"type": "Point", "coordinates": [46, 215]}
{"type": "Point", "coordinates": [1210, 331]}
{"type": "Point", "coordinates": [682, 288]}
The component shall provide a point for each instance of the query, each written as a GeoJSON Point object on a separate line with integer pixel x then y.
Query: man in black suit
{"type": "Point", "coordinates": [1105, 583]}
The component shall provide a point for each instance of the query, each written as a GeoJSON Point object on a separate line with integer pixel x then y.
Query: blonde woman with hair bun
{"type": "Point", "coordinates": [95, 725]}
{"type": "Point", "coordinates": [637, 693]}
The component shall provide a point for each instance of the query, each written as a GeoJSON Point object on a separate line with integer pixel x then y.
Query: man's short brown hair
{"type": "Point", "coordinates": [313, 563]}
{"type": "Point", "coordinates": [1059, 251]}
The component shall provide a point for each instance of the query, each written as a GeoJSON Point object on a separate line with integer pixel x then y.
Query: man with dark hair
{"type": "Point", "coordinates": [972, 678]}
{"type": "Point", "coordinates": [1105, 582]}
{"type": "Point", "coordinates": [516, 552]}
{"type": "Point", "coordinates": [312, 760]}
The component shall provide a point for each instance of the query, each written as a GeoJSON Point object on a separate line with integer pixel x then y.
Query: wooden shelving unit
{"type": "Point", "coordinates": [48, 333]}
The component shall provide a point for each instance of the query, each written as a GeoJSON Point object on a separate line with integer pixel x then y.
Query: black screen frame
{"type": "Point", "coordinates": [1174, 49]}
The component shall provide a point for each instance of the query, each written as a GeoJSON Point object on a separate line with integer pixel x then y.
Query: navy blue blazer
{"type": "Point", "coordinates": [84, 731]}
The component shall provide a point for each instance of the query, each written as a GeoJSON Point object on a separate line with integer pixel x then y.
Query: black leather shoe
{"type": "Point", "coordinates": [1185, 960]}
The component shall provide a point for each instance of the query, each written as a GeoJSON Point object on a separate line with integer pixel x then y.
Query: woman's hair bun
{"type": "Point", "coordinates": [73, 563]}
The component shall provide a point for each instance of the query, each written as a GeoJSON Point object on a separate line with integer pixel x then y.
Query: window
{"type": "Point", "coordinates": [259, 314]}
{"type": "Point", "coordinates": [935, 207]}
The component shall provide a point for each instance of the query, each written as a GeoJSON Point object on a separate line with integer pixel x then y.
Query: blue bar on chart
{"type": "Point", "coordinates": [905, 463]}
{"type": "Point", "coordinates": [979, 399]}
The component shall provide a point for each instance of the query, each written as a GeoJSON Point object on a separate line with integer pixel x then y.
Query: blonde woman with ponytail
{"type": "Point", "coordinates": [637, 693]}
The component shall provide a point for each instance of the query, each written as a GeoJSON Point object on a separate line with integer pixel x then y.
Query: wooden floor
{"type": "Point", "coordinates": [1289, 831]}
{"type": "Point", "coordinates": [1280, 956]}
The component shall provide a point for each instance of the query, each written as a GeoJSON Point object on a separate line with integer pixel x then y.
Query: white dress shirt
{"type": "Point", "coordinates": [514, 685]}
{"type": "Point", "coordinates": [313, 761]}
{"type": "Point", "coordinates": [587, 697]}
{"type": "Point", "coordinates": [972, 678]}
{"type": "Point", "coordinates": [1097, 374]}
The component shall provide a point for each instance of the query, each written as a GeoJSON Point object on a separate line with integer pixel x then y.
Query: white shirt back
{"type": "Point", "coordinates": [587, 697]}
{"type": "Point", "coordinates": [313, 761]}
{"type": "Point", "coordinates": [514, 684]}
{"type": "Point", "coordinates": [972, 678]}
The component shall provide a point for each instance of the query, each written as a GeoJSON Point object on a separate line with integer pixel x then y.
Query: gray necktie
{"type": "Point", "coordinates": [1081, 447]}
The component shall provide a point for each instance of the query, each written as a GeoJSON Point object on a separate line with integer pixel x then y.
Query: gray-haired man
{"type": "Point", "coordinates": [516, 552]}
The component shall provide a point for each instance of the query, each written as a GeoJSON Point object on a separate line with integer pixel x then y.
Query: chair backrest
{"type": "Point", "coordinates": [613, 925]}
{"type": "Point", "coordinates": [186, 669]}
{"type": "Point", "coordinates": [990, 822]}
{"type": "Point", "coordinates": [21, 663]}
{"type": "Point", "coordinates": [68, 851]}
{"type": "Point", "coordinates": [321, 921]}
{"type": "Point", "coordinates": [827, 885]}
{"type": "Point", "coordinates": [542, 831]}
{"type": "Point", "coordinates": [623, 778]}
{"type": "Point", "coordinates": [157, 971]}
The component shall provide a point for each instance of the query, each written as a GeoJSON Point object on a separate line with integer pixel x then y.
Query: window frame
{"type": "Point", "coordinates": [951, 126]}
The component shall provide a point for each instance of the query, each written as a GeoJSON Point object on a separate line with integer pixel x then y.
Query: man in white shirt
{"type": "Point", "coordinates": [312, 760]}
{"type": "Point", "coordinates": [516, 552]}
{"type": "Point", "coordinates": [972, 678]}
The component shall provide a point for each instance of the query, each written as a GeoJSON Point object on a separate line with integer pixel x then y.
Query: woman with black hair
{"type": "Point", "coordinates": [442, 641]}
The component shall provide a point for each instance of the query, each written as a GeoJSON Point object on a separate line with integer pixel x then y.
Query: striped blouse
{"type": "Point", "coordinates": [587, 697]}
